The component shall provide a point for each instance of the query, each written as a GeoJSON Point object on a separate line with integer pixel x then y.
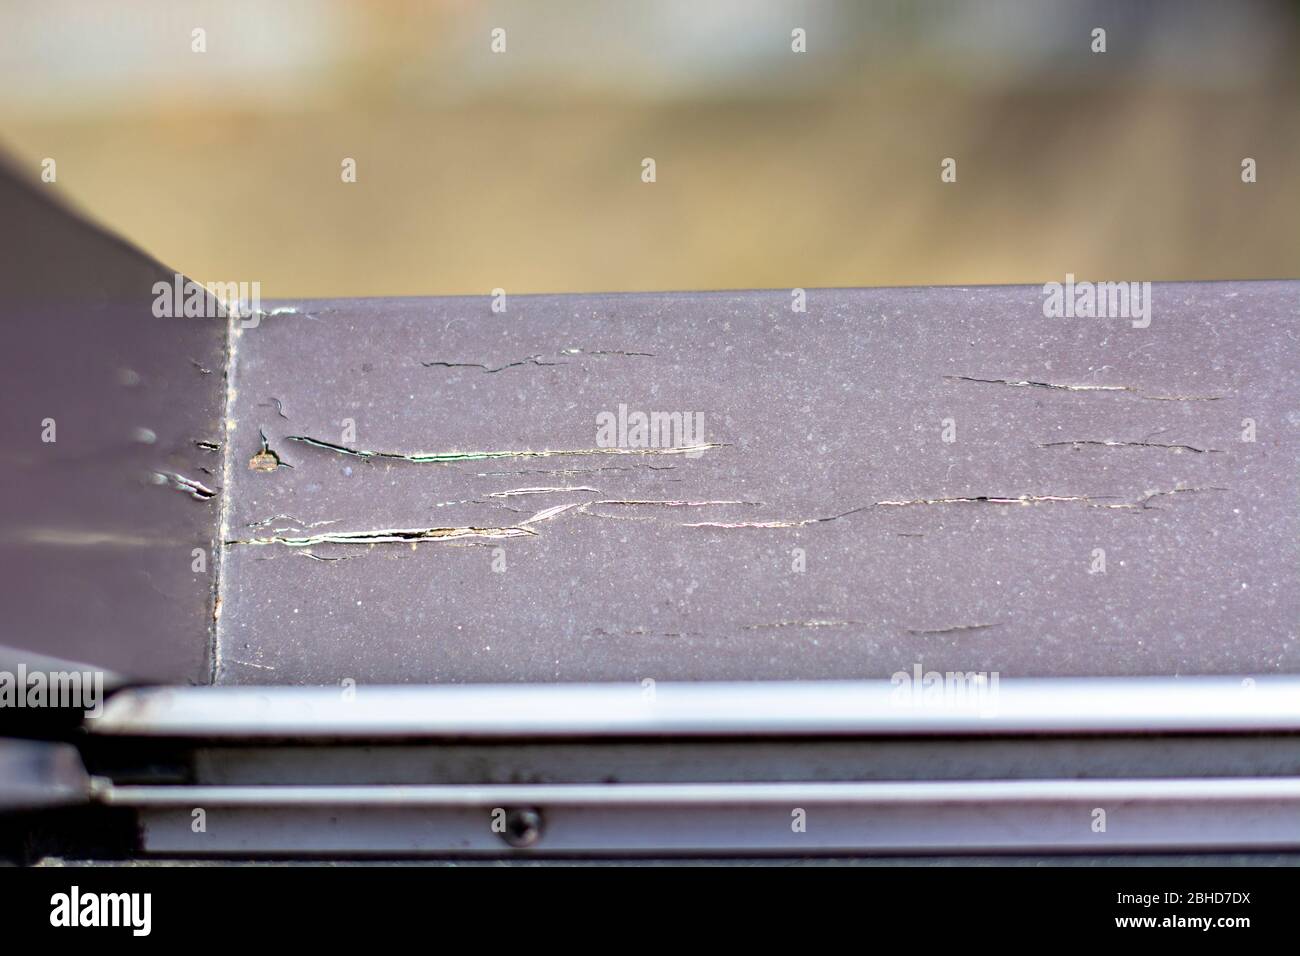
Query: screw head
{"type": "Point", "coordinates": [523, 826]}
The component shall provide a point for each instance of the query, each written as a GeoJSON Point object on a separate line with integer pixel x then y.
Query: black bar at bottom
{"type": "Point", "coordinates": [954, 900]}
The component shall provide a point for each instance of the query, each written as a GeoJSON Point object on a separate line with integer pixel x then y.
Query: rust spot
{"type": "Point", "coordinates": [264, 461]}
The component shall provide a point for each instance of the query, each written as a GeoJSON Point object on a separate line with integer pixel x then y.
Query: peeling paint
{"type": "Point", "coordinates": [623, 352]}
{"type": "Point", "coordinates": [672, 503]}
{"type": "Point", "coordinates": [389, 536]}
{"type": "Point", "coordinates": [296, 522]}
{"type": "Point", "coordinates": [655, 503]}
{"type": "Point", "coordinates": [1036, 499]}
{"type": "Point", "coordinates": [560, 472]}
{"type": "Point", "coordinates": [264, 667]}
{"type": "Point", "coordinates": [195, 489]}
{"type": "Point", "coordinates": [1029, 383]}
{"type": "Point", "coordinates": [791, 523]}
{"type": "Point", "coordinates": [409, 535]}
{"type": "Point", "coordinates": [489, 369]}
{"type": "Point", "coordinates": [1023, 383]}
{"type": "Point", "coordinates": [453, 456]}
{"type": "Point", "coordinates": [985, 499]}
{"type": "Point", "coordinates": [777, 625]}
{"type": "Point", "coordinates": [514, 492]}
{"type": "Point", "coordinates": [638, 632]}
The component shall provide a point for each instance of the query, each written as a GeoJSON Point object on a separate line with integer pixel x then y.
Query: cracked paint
{"type": "Point", "coordinates": [277, 404]}
{"type": "Point", "coordinates": [792, 523]}
{"type": "Point", "coordinates": [954, 629]}
{"type": "Point", "coordinates": [533, 360]}
{"type": "Point", "coordinates": [1143, 503]}
{"type": "Point", "coordinates": [815, 623]}
{"type": "Point", "coordinates": [295, 522]}
{"type": "Point", "coordinates": [1029, 383]}
{"type": "Point", "coordinates": [655, 503]}
{"type": "Point", "coordinates": [489, 369]}
{"type": "Point", "coordinates": [985, 499]}
{"type": "Point", "coordinates": [453, 456]}
{"type": "Point", "coordinates": [514, 492]}
{"type": "Point", "coordinates": [1036, 499]}
{"type": "Point", "coordinates": [1131, 444]}
{"type": "Point", "coordinates": [1024, 383]}
{"type": "Point", "coordinates": [1183, 398]}
{"type": "Point", "coordinates": [409, 535]}
{"type": "Point", "coordinates": [694, 603]}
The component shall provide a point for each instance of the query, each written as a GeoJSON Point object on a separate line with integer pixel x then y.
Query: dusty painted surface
{"type": "Point", "coordinates": [99, 526]}
{"type": "Point", "coordinates": [405, 442]}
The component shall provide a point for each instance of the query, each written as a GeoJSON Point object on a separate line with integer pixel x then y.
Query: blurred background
{"type": "Point", "coordinates": [522, 169]}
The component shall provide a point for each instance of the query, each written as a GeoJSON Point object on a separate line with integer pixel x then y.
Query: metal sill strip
{"type": "Point", "coordinates": [1069, 815]}
{"type": "Point", "coordinates": [340, 794]}
{"type": "Point", "coordinates": [713, 794]}
{"type": "Point", "coordinates": [885, 707]}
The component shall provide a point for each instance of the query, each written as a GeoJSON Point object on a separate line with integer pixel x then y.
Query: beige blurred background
{"type": "Point", "coordinates": [522, 169]}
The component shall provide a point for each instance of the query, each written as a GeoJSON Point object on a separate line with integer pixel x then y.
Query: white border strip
{"type": "Point", "coordinates": [870, 793]}
{"type": "Point", "coordinates": [1010, 706]}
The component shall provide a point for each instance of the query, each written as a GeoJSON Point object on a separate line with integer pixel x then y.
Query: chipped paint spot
{"type": "Point", "coordinates": [266, 460]}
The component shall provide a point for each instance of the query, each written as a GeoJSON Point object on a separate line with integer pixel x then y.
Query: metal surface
{"type": "Point", "coordinates": [96, 560]}
{"type": "Point", "coordinates": [825, 529]}
{"type": "Point", "coordinates": [899, 817]}
{"type": "Point", "coordinates": [13, 658]}
{"type": "Point", "coordinates": [1026, 706]}
{"type": "Point", "coordinates": [38, 774]}
{"type": "Point", "coordinates": [768, 759]}
{"type": "Point", "coordinates": [805, 768]}
{"type": "Point", "coordinates": [979, 554]}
